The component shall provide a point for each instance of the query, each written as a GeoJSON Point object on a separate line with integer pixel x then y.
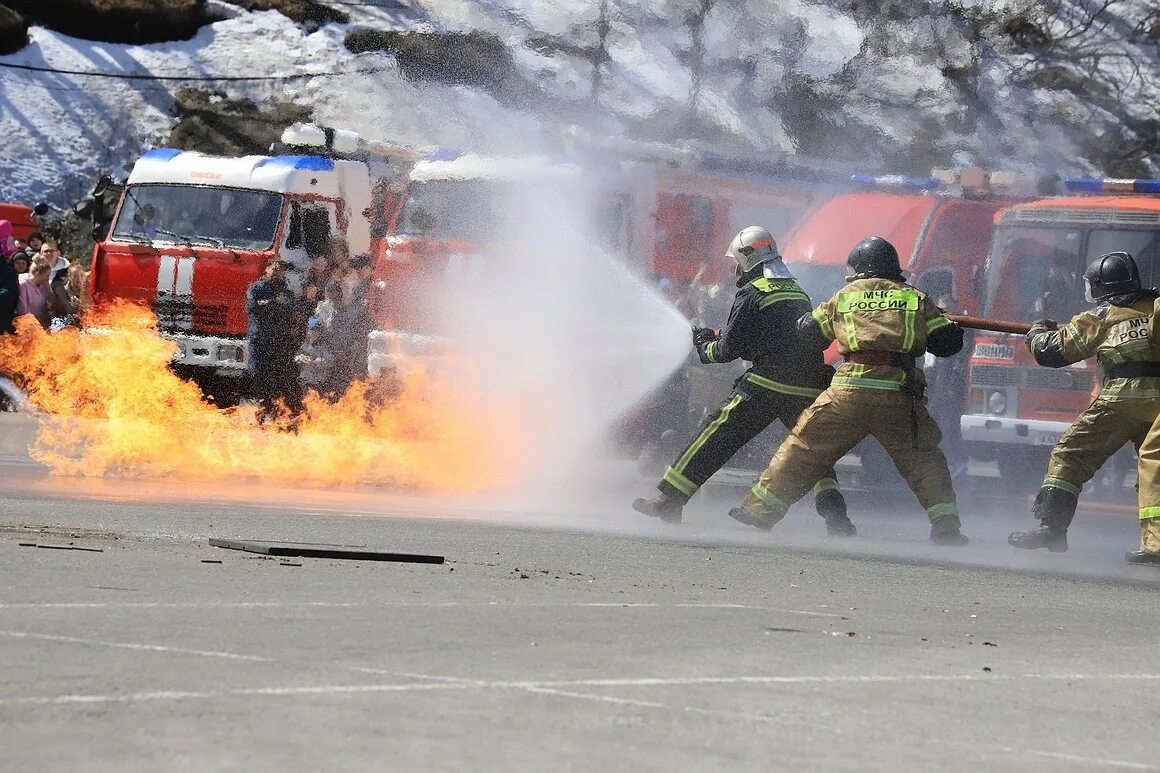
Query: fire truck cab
{"type": "Point", "coordinates": [193, 231]}
{"type": "Point", "coordinates": [940, 225]}
{"type": "Point", "coordinates": [1017, 409]}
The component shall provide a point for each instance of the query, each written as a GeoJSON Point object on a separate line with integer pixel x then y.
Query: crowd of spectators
{"type": "Point", "coordinates": [317, 341]}
{"type": "Point", "coordinates": [36, 279]}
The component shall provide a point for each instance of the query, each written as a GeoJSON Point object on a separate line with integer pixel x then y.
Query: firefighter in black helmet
{"type": "Point", "coordinates": [1117, 333]}
{"type": "Point", "coordinates": [881, 325]}
{"type": "Point", "coordinates": [784, 378]}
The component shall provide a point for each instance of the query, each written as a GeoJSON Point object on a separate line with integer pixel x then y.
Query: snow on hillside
{"type": "Point", "coordinates": [790, 77]}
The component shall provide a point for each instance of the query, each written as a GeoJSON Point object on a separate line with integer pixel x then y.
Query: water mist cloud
{"type": "Point", "coordinates": [548, 320]}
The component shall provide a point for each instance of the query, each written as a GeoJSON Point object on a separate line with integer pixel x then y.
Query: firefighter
{"type": "Point", "coordinates": [1116, 333]}
{"type": "Point", "coordinates": [881, 325]}
{"type": "Point", "coordinates": [784, 378]}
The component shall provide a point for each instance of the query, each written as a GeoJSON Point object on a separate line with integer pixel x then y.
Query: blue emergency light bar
{"type": "Point", "coordinates": [1108, 185]}
{"type": "Point", "coordinates": [896, 182]}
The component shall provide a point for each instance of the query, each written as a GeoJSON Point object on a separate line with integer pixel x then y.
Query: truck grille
{"type": "Point", "coordinates": [209, 316]}
{"type": "Point", "coordinates": [1080, 381]}
{"type": "Point", "coordinates": [1032, 378]}
{"type": "Point", "coordinates": [993, 375]}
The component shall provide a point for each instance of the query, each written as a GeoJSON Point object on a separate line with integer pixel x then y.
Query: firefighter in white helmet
{"type": "Point", "coordinates": [785, 376]}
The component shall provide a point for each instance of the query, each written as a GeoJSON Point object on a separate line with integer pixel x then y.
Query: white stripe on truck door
{"type": "Point", "coordinates": [175, 292]}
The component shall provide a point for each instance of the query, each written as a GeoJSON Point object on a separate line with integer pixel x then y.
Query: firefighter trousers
{"type": "Point", "coordinates": [1096, 434]}
{"type": "Point", "coordinates": [1149, 486]}
{"type": "Point", "coordinates": [749, 409]}
{"type": "Point", "coordinates": [836, 422]}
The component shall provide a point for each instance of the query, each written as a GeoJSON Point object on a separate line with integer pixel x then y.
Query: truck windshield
{"type": "Point", "coordinates": [1037, 272]}
{"type": "Point", "coordinates": [223, 217]}
{"type": "Point", "coordinates": [452, 210]}
{"type": "Point", "coordinates": [482, 211]}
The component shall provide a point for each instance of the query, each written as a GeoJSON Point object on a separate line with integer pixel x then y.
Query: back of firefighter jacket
{"type": "Point", "coordinates": [762, 329]}
{"type": "Point", "coordinates": [879, 315]}
{"type": "Point", "coordinates": [1123, 340]}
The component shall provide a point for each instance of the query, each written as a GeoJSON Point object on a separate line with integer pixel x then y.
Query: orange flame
{"type": "Point", "coordinates": [115, 408]}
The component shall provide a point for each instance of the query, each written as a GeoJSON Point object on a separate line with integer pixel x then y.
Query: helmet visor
{"type": "Point", "coordinates": [1087, 291]}
{"type": "Point", "coordinates": [761, 246]}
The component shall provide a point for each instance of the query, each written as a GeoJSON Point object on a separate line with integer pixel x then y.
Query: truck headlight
{"type": "Point", "coordinates": [997, 403]}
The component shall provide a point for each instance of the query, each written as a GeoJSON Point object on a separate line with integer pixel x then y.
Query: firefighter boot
{"type": "Point", "coordinates": [831, 505]}
{"type": "Point", "coordinates": [944, 530]}
{"type": "Point", "coordinates": [1149, 552]}
{"type": "Point", "coordinates": [1054, 508]}
{"type": "Point", "coordinates": [755, 512]}
{"type": "Point", "coordinates": [665, 505]}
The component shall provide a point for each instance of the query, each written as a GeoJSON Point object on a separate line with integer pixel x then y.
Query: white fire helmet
{"type": "Point", "coordinates": [754, 246]}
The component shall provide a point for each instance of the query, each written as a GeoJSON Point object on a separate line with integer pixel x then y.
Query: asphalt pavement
{"type": "Point", "coordinates": [563, 631]}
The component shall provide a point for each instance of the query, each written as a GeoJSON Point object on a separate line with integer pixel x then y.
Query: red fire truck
{"type": "Point", "coordinates": [1018, 410]}
{"type": "Point", "coordinates": [192, 231]}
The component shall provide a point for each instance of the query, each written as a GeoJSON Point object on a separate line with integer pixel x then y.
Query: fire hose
{"type": "Point", "coordinates": [996, 325]}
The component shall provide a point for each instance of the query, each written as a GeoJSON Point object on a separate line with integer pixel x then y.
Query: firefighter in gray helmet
{"type": "Point", "coordinates": [881, 325]}
{"type": "Point", "coordinates": [784, 378]}
{"type": "Point", "coordinates": [1117, 333]}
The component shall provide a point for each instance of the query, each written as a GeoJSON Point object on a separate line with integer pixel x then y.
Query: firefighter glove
{"type": "Point", "coordinates": [704, 335]}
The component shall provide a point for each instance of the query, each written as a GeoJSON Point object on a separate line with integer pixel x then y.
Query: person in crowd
{"type": "Point", "coordinates": [50, 251]}
{"type": "Point", "coordinates": [9, 295]}
{"type": "Point", "coordinates": [339, 323]}
{"type": "Point", "coordinates": [333, 297]}
{"type": "Point", "coordinates": [314, 359]}
{"type": "Point", "coordinates": [36, 296]}
{"type": "Point", "coordinates": [77, 285]}
{"type": "Point", "coordinates": [71, 297]}
{"type": "Point", "coordinates": [331, 264]}
{"type": "Point", "coordinates": [360, 319]}
{"type": "Point", "coordinates": [272, 339]}
{"type": "Point", "coordinates": [8, 244]}
{"type": "Point", "coordinates": [20, 262]}
{"type": "Point", "coordinates": [34, 243]}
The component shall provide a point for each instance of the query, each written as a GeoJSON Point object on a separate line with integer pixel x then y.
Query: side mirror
{"type": "Point", "coordinates": [104, 183]}
{"type": "Point", "coordinates": [41, 209]}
